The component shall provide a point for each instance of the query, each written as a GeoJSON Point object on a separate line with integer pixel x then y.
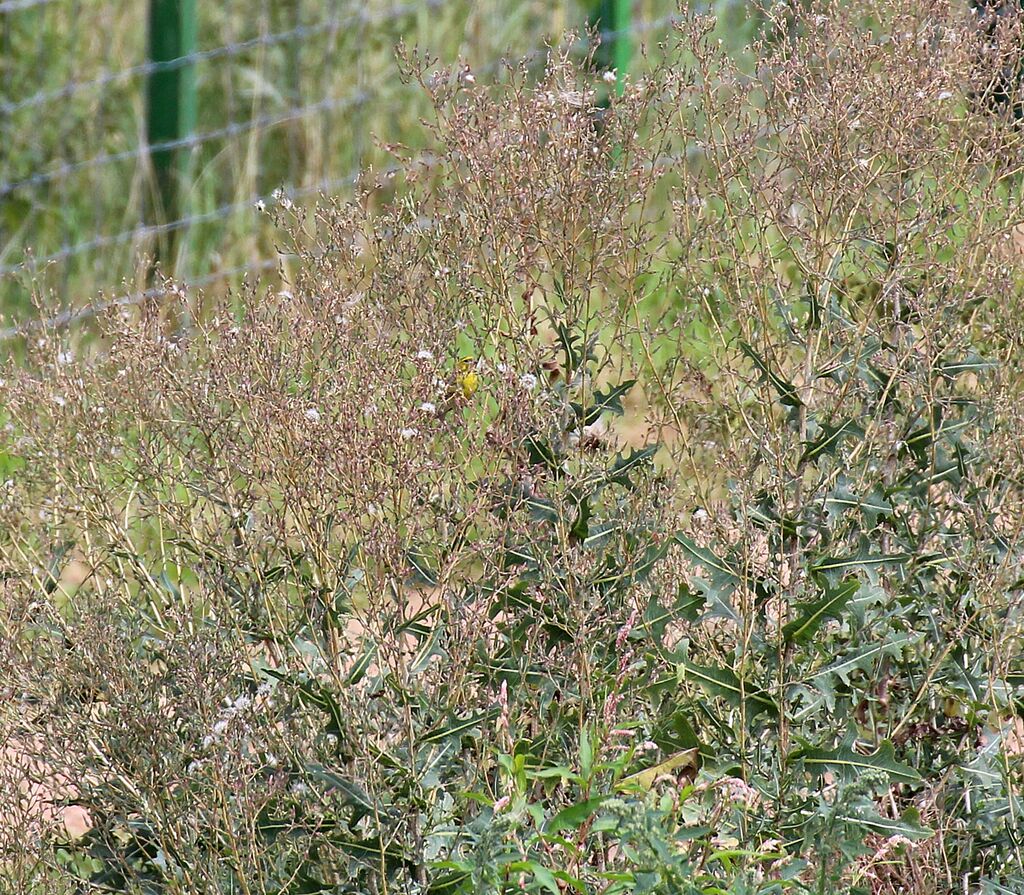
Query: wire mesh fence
{"type": "Point", "coordinates": [295, 96]}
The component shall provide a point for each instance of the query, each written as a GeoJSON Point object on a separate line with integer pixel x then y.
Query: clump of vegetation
{"type": "Point", "coordinates": [631, 506]}
{"type": "Point", "coordinates": [292, 95]}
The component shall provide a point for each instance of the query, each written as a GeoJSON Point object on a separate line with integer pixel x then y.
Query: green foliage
{"type": "Point", "coordinates": [290, 609]}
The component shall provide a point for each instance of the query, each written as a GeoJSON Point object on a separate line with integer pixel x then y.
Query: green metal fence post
{"type": "Point", "coordinates": [171, 97]}
{"type": "Point", "coordinates": [613, 19]}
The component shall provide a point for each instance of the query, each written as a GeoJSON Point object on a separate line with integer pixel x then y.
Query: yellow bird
{"type": "Point", "coordinates": [463, 385]}
{"type": "Point", "coordinates": [467, 377]}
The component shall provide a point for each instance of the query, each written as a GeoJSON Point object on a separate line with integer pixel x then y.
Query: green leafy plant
{"type": "Point", "coordinates": [631, 506]}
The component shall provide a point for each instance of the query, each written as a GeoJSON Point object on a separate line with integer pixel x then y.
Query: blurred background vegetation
{"type": "Point", "coordinates": [301, 96]}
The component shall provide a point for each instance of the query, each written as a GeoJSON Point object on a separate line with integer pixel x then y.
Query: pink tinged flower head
{"type": "Point", "coordinates": [626, 628]}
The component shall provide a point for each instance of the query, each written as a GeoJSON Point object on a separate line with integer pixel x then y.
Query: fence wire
{"type": "Point", "coordinates": [78, 204]}
{"type": "Point", "coordinates": [228, 51]}
{"type": "Point", "coordinates": [9, 6]}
